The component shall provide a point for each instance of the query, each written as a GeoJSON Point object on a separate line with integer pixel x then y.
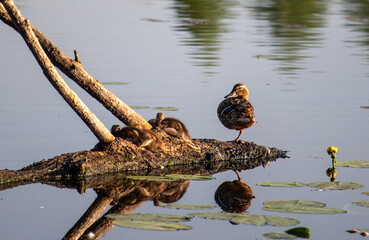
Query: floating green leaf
{"type": "Point", "coordinates": [281, 184]}
{"type": "Point", "coordinates": [251, 219]}
{"type": "Point", "coordinates": [336, 185]}
{"type": "Point", "coordinates": [261, 220]}
{"type": "Point", "coordinates": [188, 177]}
{"type": "Point", "coordinates": [362, 203]}
{"type": "Point", "coordinates": [140, 107]}
{"type": "Point", "coordinates": [188, 206]}
{"type": "Point", "coordinates": [296, 206]}
{"type": "Point", "coordinates": [166, 108]}
{"type": "Point", "coordinates": [171, 177]}
{"type": "Point", "coordinates": [354, 164]}
{"type": "Point", "coordinates": [151, 178]}
{"type": "Point", "coordinates": [214, 215]}
{"type": "Point", "coordinates": [274, 235]}
{"type": "Point", "coordinates": [151, 217]}
{"type": "Point", "coordinates": [151, 225]}
{"type": "Point", "coordinates": [113, 83]}
{"type": "Point", "coordinates": [301, 232]}
{"type": "Point", "coordinates": [365, 193]}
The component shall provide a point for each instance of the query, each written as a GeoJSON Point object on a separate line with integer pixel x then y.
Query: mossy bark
{"type": "Point", "coordinates": [124, 156]}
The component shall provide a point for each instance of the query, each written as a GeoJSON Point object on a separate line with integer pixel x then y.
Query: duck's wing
{"type": "Point", "coordinates": [238, 107]}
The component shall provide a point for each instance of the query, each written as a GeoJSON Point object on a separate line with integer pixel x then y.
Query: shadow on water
{"type": "Point", "coordinates": [356, 12]}
{"type": "Point", "coordinates": [205, 22]}
{"type": "Point", "coordinates": [294, 27]}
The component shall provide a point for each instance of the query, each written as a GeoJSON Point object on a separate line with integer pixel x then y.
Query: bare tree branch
{"type": "Point", "coordinates": [24, 28]}
{"type": "Point", "coordinates": [75, 71]}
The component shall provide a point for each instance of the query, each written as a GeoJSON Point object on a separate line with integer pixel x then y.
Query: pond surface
{"type": "Point", "coordinates": [306, 64]}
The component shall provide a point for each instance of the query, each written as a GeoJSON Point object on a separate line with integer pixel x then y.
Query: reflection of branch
{"type": "Point", "coordinates": [125, 199]}
{"type": "Point", "coordinates": [125, 206]}
{"type": "Point", "coordinates": [92, 213]}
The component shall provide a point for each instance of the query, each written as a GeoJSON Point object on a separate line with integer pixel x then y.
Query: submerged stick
{"type": "Point", "coordinates": [76, 72]}
{"type": "Point", "coordinates": [25, 29]}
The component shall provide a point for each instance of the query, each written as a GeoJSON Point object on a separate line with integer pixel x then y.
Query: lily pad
{"type": "Point", "coordinates": [166, 108]}
{"type": "Point", "coordinates": [188, 177]}
{"type": "Point", "coordinates": [250, 219]}
{"type": "Point", "coordinates": [336, 185]}
{"type": "Point", "coordinates": [171, 177]}
{"type": "Point", "coordinates": [113, 83]}
{"type": "Point", "coordinates": [365, 193]}
{"type": "Point", "coordinates": [274, 235]}
{"type": "Point", "coordinates": [214, 215]}
{"type": "Point", "coordinates": [188, 206]}
{"type": "Point", "coordinates": [354, 164]}
{"type": "Point", "coordinates": [301, 232]}
{"type": "Point", "coordinates": [150, 217]}
{"type": "Point", "coordinates": [362, 203]}
{"type": "Point", "coordinates": [281, 184]}
{"type": "Point", "coordinates": [140, 107]}
{"type": "Point", "coordinates": [296, 206]}
{"type": "Point", "coordinates": [151, 178]}
{"type": "Point", "coordinates": [151, 225]}
{"type": "Point", "coordinates": [261, 220]}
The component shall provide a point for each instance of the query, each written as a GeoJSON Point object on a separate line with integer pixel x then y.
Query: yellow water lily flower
{"type": "Point", "coordinates": [332, 150]}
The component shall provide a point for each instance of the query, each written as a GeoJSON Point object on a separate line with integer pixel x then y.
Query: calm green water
{"type": "Point", "coordinates": [306, 64]}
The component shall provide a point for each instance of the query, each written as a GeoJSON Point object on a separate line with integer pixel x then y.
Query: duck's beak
{"type": "Point", "coordinates": [232, 94]}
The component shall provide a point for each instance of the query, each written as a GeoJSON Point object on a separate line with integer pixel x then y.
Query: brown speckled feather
{"type": "Point", "coordinates": [236, 113]}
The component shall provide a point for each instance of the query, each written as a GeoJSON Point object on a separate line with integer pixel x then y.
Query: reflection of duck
{"type": "Point", "coordinates": [140, 137]}
{"type": "Point", "coordinates": [173, 192]}
{"type": "Point", "coordinates": [234, 196]}
{"type": "Point", "coordinates": [236, 112]}
{"type": "Point", "coordinates": [171, 126]}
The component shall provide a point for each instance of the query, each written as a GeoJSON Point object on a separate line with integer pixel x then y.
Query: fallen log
{"type": "Point", "coordinates": [124, 156]}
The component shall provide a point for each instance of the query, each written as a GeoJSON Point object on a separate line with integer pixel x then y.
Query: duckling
{"type": "Point", "coordinates": [171, 126]}
{"type": "Point", "coordinates": [235, 111]}
{"type": "Point", "coordinates": [115, 130]}
{"type": "Point", "coordinates": [140, 137]}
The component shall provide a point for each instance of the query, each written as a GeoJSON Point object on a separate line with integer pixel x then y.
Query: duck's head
{"type": "Point", "coordinates": [240, 91]}
{"type": "Point", "coordinates": [160, 116]}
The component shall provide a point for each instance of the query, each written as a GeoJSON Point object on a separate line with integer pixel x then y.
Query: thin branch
{"type": "Point", "coordinates": [76, 72]}
{"type": "Point", "coordinates": [24, 28]}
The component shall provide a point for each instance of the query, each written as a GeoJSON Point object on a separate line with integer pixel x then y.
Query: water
{"type": "Point", "coordinates": [305, 64]}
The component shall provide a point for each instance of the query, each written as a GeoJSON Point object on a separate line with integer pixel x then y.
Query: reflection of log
{"type": "Point", "coordinates": [127, 202]}
{"type": "Point", "coordinates": [87, 219]}
{"type": "Point", "coordinates": [52, 75]}
{"type": "Point", "coordinates": [75, 71]}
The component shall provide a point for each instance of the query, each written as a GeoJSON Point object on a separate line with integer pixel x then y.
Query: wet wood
{"type": "Point", "coordinates": [124, 156]}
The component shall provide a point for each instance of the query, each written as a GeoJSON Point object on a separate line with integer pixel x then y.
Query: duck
{"type": "Point", "coordinates": [235, 111]}
{"type": "Point", "coordinates": [141, 137]}
{"type": "Point", "coordinates": [171, 126]}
